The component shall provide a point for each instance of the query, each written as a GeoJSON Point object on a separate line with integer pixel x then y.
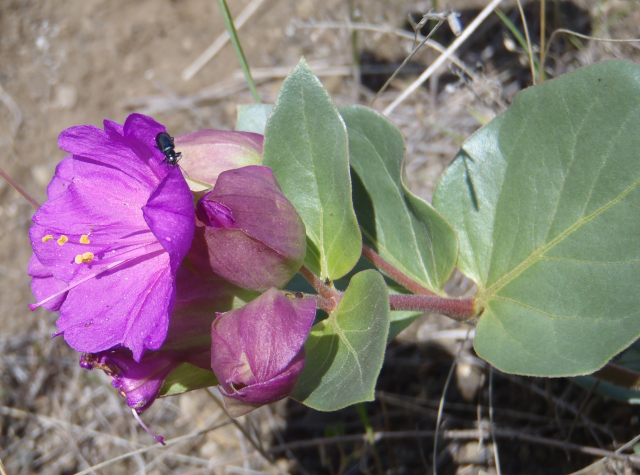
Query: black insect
{"type": "Point", "coordinates": [166, 146]}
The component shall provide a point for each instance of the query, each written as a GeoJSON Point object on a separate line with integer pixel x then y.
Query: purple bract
{"type": "Point", "coordinates": [257, 351]}
{"type": "Point", "coordinates": [249, 232]}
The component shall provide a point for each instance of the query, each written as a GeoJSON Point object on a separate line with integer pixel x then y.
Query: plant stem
{"type": "Point", "coordinates": [323, 289]}
{"type": "Point", "coordinates": [394, 273]}
{"type": "Point", "coordinates": [543, 28]}
{"type": "Point", "coordinates": [328, 305]}
{"type": "Point", "coordinates": [456, 309]}
{"type": "Point", "coordinates": [233, 35]}
{"type": "Point", "coordinates": [19, 189]}
{"type": "Point", "coordinates": [620, 376]}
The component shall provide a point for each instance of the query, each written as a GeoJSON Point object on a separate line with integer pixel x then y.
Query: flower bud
{"type": "Point", "coordinates": [207, 153]}
{"type": "Point", "coordinates": [257, 351]}
{"type": "Point", "coordinates": [250, 234]}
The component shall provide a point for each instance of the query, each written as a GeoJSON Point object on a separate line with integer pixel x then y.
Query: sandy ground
{"type": "Point", "coordinates": [82, 61]}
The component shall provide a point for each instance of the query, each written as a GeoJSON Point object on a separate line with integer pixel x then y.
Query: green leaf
{"type": "Point", "coordinates": [401, 319]}
{"type": "Point", "coordinates": [187, 378]}
{"type": "Point", "coordinates": [253, 118]}
{"type": "Point", "coordinates": [547, 209]}
{"type": "Point", "coordinates": [344, 353]}
{"type": "Point", "coordinates": [404, 229]}
{"type": "Point", "coordinates": [306, 147]}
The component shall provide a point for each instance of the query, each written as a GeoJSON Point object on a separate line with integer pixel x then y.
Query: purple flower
{"type": "Point", "coordinates": [251, 234]}
{"type": "Point", "coordinates": [188, 340]}
{"type": "Point", "coordinates": [257, 351]}
{"type": "Point", "coordinates": [140, 382]}
{"type": "Point", "coordinates": [207, 153]}
{"type": "Point", "coordinates": [108, 242]}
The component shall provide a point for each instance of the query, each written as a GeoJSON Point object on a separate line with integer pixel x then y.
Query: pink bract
{"type": "Point", "coordinates": [257, 351]}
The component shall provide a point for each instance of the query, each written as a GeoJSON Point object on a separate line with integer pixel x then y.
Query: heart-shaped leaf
{"type": "Point", "coordinates": [546, 204]}
{"type": "Point", "coordinates": [344, 353]}
{"type": "Point", "coordinates": [306, 147]}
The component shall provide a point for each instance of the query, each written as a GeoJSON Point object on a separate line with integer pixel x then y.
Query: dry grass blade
{"type": "Point", "coordinates": [406, 60]}
{"type": "Point", "coordinates": [168, 443]}
{"type": "Point", "coordinates": [222, 40]}
{"type": "Point", "coordinates": [469, 434]}
{"type": "Point", "coordinates": [442, 58]}
{"type": "Point", "coordinates": [243, 431]}
{"type": "Point", "coordinates": [441, 405]}
{"type": "Point", "coordinates": [529, 49]}
{"type": "Point", "coordinates": [589, 469]}
{"type": "Point", "coordinates": [493, 429]}
{"type": "Point", "coordinates": [391, 31]}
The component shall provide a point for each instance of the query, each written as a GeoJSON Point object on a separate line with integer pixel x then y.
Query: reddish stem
{"type": "Point", "coordinates": [394, 273]}
{"type": "Point", "coordinates": [19, 189]}
{"type": "Point", "coordinates": [456, 309]}
{"type": "Point", "coordinates": [328, 305]}
{"type": "Point", "coordinates": [320, 287]}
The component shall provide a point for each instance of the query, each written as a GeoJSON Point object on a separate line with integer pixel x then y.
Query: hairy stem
{"type": "Point", "coordinates": [323, 289]}
{"type": "Point", "coordinates": [233, 35]}
{"type": "Point", "coordinates": [456, 309]}
{"type": "Point", "coordinates": [394, 273]}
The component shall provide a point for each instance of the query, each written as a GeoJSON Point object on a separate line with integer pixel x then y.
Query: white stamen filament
{"type": "Point", "coordinates": [158, 438]}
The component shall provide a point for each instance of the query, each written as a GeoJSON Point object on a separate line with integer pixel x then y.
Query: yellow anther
{"type": "Point", "coordinates": [84, 239]}
{"type": "Point", "coordinates": [62, 239]}
{"type": "Point", "coordinates": [48, 237]}
{"type": "Point", "coordinates": [85, 258]}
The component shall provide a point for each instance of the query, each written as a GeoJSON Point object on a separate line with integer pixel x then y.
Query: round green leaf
{"type": "Point", "coordinates": [306, 147]}
{"type": "Point", "coordinates": [547, 209]}
{"type": "Point", "coordinates": [404, 229]}
{"type": "Point", "coordinates": [344, 353]}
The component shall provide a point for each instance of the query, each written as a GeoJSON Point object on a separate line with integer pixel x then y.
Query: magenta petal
{"type": "Point", "coordinates": [62, 178]}
{"type": "Point", "coordinates": [116, 152]}
{"type": "Point", "coordinates": [113, 129]}
{"type": "Point", "coordinates": [170, 215]}
{"type": "Point", "coordinates": [120, 307]}
{"type": "Point", "coordinates": [45, 284]}
{"type": "Point", "coordinates": [143, 129]}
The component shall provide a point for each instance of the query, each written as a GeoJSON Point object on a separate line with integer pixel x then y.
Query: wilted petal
{"type": "Point", "coordinates": [140, 382]}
